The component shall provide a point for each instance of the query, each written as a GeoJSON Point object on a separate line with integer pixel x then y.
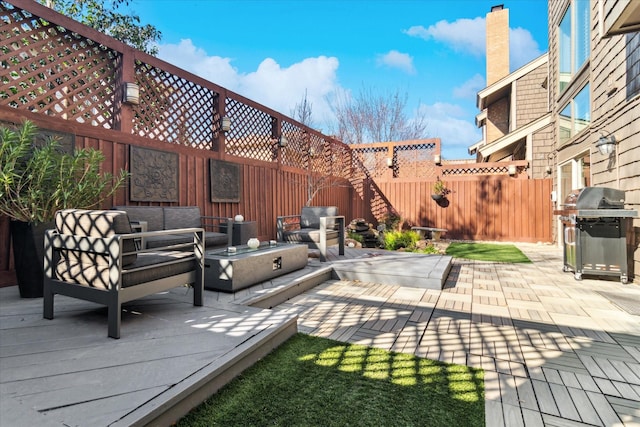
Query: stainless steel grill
{"type": "Point", "coordinates": [595, 225]}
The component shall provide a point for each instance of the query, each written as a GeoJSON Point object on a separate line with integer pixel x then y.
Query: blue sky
{"type": "Point", "coordinates": [274, 51]}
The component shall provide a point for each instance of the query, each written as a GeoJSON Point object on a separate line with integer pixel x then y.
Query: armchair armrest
{"type": "Point", "coordinates": [338, 222]}
{"type": "Point", "coordinates": [286, 222]}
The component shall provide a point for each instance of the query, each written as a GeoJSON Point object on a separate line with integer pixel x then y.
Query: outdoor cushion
{"type": "Point", "coordinates": [94, 223]}
{"type": "Point", "coordinates": [182, 217]}
{"type": "Point", "coordinates": [212, 239]}
{"type": "Point", "coordinates": [308, 235]}
{"type": "Point", "coordinates": [97, 275]}
{"type": "Point", "coordinates": [310, 216]}
{"type": "Point", "coordinates": [153, 215]}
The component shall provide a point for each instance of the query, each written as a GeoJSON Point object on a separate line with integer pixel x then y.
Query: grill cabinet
{"type": "Point", "coordinates": [594, 230]}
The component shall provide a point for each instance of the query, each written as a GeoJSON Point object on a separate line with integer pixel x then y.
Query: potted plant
{"type": "Point", "coordinates": [35, 182]}
{"type": "Point", "coordinates": [439, 190]}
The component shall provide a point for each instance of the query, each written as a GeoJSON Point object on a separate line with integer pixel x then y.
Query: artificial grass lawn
{"type": "Point", "coordinates": [311, 381]}
{"type": "Point", "coordinates": [486, 252]}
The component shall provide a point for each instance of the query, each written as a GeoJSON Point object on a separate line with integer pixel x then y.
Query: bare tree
{"type": "Point", "coordinates": [318, 176]}
{"type": "Point", "coordinates": [372, 117]}
{"type": "Point", "coordinates": [302, 111]}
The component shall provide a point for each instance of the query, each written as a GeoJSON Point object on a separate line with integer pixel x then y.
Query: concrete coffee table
{"type": "Point", "coordinates": [231, 271]}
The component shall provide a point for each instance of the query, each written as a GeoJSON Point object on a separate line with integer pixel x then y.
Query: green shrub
{"type": "Point", "coordinates": [394, 240]}
{"type": "Point", "coordinates": [355, 236]}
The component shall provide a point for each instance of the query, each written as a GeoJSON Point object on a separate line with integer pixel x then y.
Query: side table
{"type": "Point", "coordinates": [243, 231]}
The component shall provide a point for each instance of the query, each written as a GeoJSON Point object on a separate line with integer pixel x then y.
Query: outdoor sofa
{"type": "Point", "coordinates": [92, 255]}
{"type": "Point", "coordinates": [317, 226]}
{"type": "Point", "coordinates": [218, 230]}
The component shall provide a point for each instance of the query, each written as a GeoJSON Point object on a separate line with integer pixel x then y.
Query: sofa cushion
{"type": "Point", "coordinates": [95, 223]}
{"type": "Point", "coordinates": [182, 217]}
{"type": "Point", "coordinates": [310, 216]}
{"type": "Point", "coordinates": [153, 215]}
{"type": "Point", "coordinates": [212, 239]}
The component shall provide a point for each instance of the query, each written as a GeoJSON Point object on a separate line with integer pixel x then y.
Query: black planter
{"type": "Point", "coordinates": [437, 197]}
{"type": "Point", "coordinates": [28, 255]}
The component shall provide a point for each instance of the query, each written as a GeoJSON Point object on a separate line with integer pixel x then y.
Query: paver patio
{"type": "Point", "coordinates": [555, 351]}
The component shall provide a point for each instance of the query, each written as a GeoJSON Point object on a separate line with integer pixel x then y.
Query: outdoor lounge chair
{"type": "Point", "coordinates": [92, 255]}
{"type": "Point", "coordinates": [317, 226]}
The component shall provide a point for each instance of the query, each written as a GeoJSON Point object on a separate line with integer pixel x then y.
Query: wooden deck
{"type": "Point", "coordinates": [555, 351]}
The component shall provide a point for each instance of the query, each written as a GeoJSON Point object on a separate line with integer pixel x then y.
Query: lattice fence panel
{"type": "Point", "coordinates": [372, 159]}
{"type": "Point", "coordinates": [477, 169]}
{"type": "Point", "coordinates": [251, 132]}
{"type": "Point", "coordinates": [414, 161]}
{"type": "Point", "coordinates": [173, 109]}
{"type": "Point", "coordinates": [319, 159]}
{"type": "Point", "coordinates": [295, 153]}
{"type": "Point", "coordinates": [49, 70]}
{"type": "Point", "coordinates": [340, 164]}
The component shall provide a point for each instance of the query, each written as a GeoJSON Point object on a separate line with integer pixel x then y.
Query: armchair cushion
{"type": "Point", "coordinates": [304, 235]}
{"type": "Point", "coordinates": [310, 215]}
{"type": "Point", "coordinates": [97, 275]}
{"type": "Point", "coordinates": [94, 223]}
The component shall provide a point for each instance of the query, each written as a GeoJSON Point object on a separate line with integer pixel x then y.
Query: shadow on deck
{"type": "Point", "coordinates": [171, 356]}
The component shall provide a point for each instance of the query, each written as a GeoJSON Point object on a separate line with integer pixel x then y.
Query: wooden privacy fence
{"type": "Point", "coordinates": [486, 208]}
{"type": "Point", "coordinates": [70, 79]}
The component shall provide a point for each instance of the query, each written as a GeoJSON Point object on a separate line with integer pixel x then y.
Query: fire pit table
{"type": "Point", "coordinates": [594, 225]}
{"type": "Point", "coordinates": [229, 271]}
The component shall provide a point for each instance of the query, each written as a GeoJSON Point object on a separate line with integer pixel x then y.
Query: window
{"type": "Point", "coordinates": [575, 116]}
{"type": "Point", "coordinates": [633, 65]}
{"type": "Point", "coordinates": [573, 41]}
{"type": "Point", "coordinates": [575, 174]}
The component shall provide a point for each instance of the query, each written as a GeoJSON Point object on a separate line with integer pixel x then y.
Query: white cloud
{"type": "Point", "coordinates": [449, 123]}
{"type": "Point", "coordinates": [523, 48]}
{"type": "Point", "coordinates": [469, 35]}
{"type": "Point", "coordinates": [395, 59]}
{"type": "Point", "coordinates": [464, 35]}
{"type": "Point", "coordinates": [216, 69]}
{"type": "Point", "coordinates": [282, 88]}
{"type": "Point", "coordinates": [271, 85]}
{"type": "Point", "coordinates": [470, 88]}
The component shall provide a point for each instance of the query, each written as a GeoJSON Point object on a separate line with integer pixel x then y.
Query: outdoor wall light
{"type": "Point", "coordinates": [512, 170]}
{"type": "Point", "coordinates": [390, 162]}
{"type": "Point", "coordinates": [437, 159]}
{"type": "Point", "coordinates": [606, 144]}
{"type": "Point", "coordinates": [131, 94]}
{"type": "Point", "coordinates": [225, 124]}
{"type": "Point", "coordinates": [282, 141]}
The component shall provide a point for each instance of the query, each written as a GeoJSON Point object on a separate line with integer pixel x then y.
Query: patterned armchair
{"type": "Point", "coordinates": [92, 255]}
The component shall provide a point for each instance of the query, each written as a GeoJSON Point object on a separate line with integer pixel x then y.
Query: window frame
{"type": "Point", "coordinates": [577, 33]}
{"type": "Point", "coordinates": [571, 103]}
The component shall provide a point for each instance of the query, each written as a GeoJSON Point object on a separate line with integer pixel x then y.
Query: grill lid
{"type": "Point", "coordinates": [595, 198]}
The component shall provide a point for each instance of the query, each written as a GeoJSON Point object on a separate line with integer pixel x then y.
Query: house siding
{"type": "Point", "coordinates": [531, 96]}
{"type": "Point", "coordinates": [613, 109]}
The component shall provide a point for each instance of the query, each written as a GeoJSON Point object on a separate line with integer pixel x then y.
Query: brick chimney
{"type": "Point", "coordinates": [497, 23]}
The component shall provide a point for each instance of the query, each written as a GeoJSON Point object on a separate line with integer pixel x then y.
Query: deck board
{"type": "Point", "coordinates": [554, 353]}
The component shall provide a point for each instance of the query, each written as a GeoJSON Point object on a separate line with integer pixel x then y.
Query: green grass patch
{"type": "Point", "coordinates": [311, 381]}
{"type": "Point", "coordinates": [487, 252]}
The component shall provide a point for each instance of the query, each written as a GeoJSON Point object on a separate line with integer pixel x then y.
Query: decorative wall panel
{"type": "Point", "coordinates": [224, 181]}
{"type": "Point", "coordinates": [154, 175]}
